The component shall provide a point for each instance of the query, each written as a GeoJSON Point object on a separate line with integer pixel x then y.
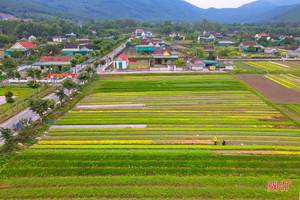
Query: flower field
{"type": "Point", "coordinates": [286, 80]}
{"type": "Point", "coordinates": [173, 157]}
{"type": "Point", "coordinates": [263, 67]}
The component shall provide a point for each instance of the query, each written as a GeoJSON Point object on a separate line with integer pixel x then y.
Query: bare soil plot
{"type": "Point", "coordinates": [270, 89]}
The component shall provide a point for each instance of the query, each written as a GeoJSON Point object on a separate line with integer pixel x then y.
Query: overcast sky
{"type": "Point", "coordinates": [219, 3]}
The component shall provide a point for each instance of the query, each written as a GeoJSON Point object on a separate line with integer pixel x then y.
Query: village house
{"type": "Point", "coordinates": [87, 48]}
{"type": "Point", "coordinates": [31, 38]}
{"type": "Point", "coordinates": [149, 45]}
{"type": "Point", "coordinates": [270, 50]}
{"type": "Point", "coordinates": [196, 64]}
{"type": "Point", "coordinates": [58, 39]}
{"type": "Point", "coordinates": [207, 37]}
{"type": "Point", "coordinates": [245, 46]}
{"type": "Point", "coordinates": [225, 42]}
{"type": "Point", "coordinates": [259, 35]}
{"type": "Point", "coordinates": [208, 48]}
{"type": "Point", "coordinates": [20, 46]}
{"type": "Point", "coordinates": [84, 41]}
{"type": "Point", "coordinates": [138, 32]}
{"type": "Point", "coordinates": [294, 52]}
{"type": "Point", "coordinates": [94, 32]}
{"type": "Point", "coordinates": [68, 35]}
{"type": "Point", "coordinates": [164, 57]}
{"type": "Point", "coordinates": [121, 62]}
{"type": "Point", "coordinates": [72, 49]}
{"type": "Point", "coordinates": [105, 37]}
{"type": "Point", "coordinates": [46, 62]}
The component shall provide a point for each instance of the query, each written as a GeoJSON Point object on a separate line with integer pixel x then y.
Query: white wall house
{"type": "Point", "coordinates": [121, 62]}
{"type": "Point", "coordinates": [58, 39]}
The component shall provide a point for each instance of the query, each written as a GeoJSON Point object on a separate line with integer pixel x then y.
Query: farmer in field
{"type": "Point", "coordinates": [215, 140]}
{"type": "Point", "coordinates": [223, 143]}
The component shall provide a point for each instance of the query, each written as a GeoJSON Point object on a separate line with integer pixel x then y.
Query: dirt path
{"type": "Point", "coordinates": [270, 89]}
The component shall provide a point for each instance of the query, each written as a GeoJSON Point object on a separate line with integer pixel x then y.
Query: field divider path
{"type": "Point", "coordinates": [111, 106]}
{"type": "Point", "coordinates": [98, 126]}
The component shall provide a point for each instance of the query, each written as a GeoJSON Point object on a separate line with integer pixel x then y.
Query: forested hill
{"type": "Point", "coordinates": [291, 15]}
{"type": "Point", "coordinates": [23, 9]}
{"type": "Point", "coordinates": [81, 11]}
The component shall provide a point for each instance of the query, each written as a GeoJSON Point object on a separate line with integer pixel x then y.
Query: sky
{"type": "Point", "coordinates": [219, 3]}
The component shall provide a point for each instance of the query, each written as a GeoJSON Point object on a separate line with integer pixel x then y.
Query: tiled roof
{"type": "Point", "coordinates": [55, 58]}
{"type": "Point", "coordinates": [87, 46]}
{"type": "Point", "coordinates": [208, 48]}
{"type": "Point", "coordinates": [194, 60]}
{"type": "Point", "coordinates": [123, 57]}
{"type": "Point", "coordinates": [248, 43]}
{"type": "Point", "coordinates": [56, 37]}
{"type": "Point", "coordinates": [71, 46]}
{"type": "Point", "coordinates": [27, 45]}
{"type": "Point", "coordinates": [161, 51]}
{"type": "Point", "coordinates": [293, 48]}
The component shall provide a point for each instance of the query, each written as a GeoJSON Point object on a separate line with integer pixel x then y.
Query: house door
{"type": "Point", "coordinates": [120, 65]}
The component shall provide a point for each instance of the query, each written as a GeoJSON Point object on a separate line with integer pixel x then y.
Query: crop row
{"type": "Point", "coordinates": [145, 171]}
{"type": "Point", "coordinates": [138, 181]}
{"type": "Point", "coordinates": [155, 163]}
{"type": "Point", "coordinates": [143, 192]}
{"type": "Point", "coordinates": [286, 80]}
{"type": "Point", "coordinates": [163, 137]}
{"type": "Point", "coordinates": [271, 67]}
{"type": "Point", "coordinates": [99, 155]}
{"type": "Point", "coordinates": [200, 147]}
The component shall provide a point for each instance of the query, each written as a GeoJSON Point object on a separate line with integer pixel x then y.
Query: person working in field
{"type": "Point", "coordinates": [215, 140]}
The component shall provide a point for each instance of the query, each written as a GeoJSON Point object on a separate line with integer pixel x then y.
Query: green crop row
{"type": "Point", "coordinates": [146, 171]}
{"type": "Point", "coordinates": [155, 163]}
{"type": "Point", "coordinates": [99, 155]}
{"type": "Point", "coordinates": [140, 181]}
{"type": "Point", "coordinates": [200, 147]}
{"type": "Point", "coordinates": [95, 142]}
{"type": "Point", "coordinates": [143, 192]}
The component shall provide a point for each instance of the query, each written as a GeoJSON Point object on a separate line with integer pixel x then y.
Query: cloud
{"type": "Point", "coordinates": [219, 3]}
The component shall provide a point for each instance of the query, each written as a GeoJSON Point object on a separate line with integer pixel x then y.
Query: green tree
{"type": "Point", "coordinates": [61, 95]}
{"type": "Point", "coordinates": [37, 73]}
{"type": "Point", "coordinates": [9, 139]}
{"type": "Point", "coordinates": [83, 77]}
{"type": "Point", "coordinates": [96, 64]}
{"type": "Point", "coordinates": [8, 97]}
{"type": "Point", "coordinates": [73, 62]}
{"type": "Point", "coordinates": [17, 74]}
{"type": "Point", "coordinates": [180, 63]}
{"type": "Point", "coordinates": [30, 73]}
{"type": "Point", "coordinates": [40, 106]}
{"type": "Point", "coordinates": [8, 64]}
{"type": "Point", "coordinates": [26, 131]}
{"type": "Point", "coordinates": [211, 56]}
{"type": "Point", "coordinates": [33, 84]}
{"type": "Point", "coordinates": [68, 84]}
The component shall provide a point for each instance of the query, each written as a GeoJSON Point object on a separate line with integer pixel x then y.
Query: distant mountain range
{"type": "Point", "coordinates": [80, 11]}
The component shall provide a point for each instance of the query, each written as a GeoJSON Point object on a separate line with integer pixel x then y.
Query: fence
{"type": "Point", "coordinates": [40, 81]}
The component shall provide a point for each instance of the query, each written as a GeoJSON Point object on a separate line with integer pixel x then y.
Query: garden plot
{"type": "Point", "coordinates": [270, 89]}
{"type": "Point", "coordinates": [287, 80]}
{"type": "Point", "coordinates": [173, 156]}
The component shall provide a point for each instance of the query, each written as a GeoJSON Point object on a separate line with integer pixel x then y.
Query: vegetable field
{"type": "Point", "coordinates": [264, 67]}
{"type": "Point", "coordinates": [173, 157]}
